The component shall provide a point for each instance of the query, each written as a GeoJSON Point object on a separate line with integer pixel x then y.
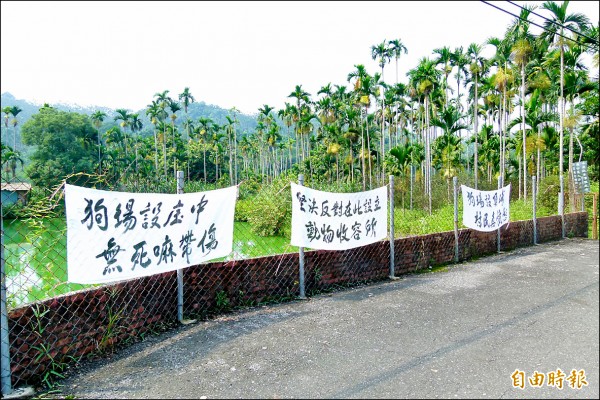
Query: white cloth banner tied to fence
{"type": "Point", "coordinates": [113, 236]}
{"type": "Point", "coordinates": [485, 210]}
{"type": "Point", "coordinates": [337, 221]}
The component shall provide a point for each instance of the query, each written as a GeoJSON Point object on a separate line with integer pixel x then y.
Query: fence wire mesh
{"type": "Point", "coordinates": [53, 324]}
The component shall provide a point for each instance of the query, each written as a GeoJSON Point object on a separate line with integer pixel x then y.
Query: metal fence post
{"type": "Point", "coordinates": [392, 272]}
{"type": "Point", "coordinates": [594, 216]}
{"type": "Point", "coordinates": [455, 183]}
{"type": "Point", "coordinates": [301, 254]}
{"type": "Point", "coordinates": [561, 206]}
{"type": "Point", "coordinates": [5, 375]}
{"type": "Point", "coordinates": [500, 187]}
{"type": "Point", "coordinates": [534, 196]}
{"type": "Point", "coordinates": [180, 271]}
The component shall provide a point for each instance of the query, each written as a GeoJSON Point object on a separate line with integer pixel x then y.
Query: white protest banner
{"type": "Point", "coordinates": [113, 236]}
{"type": "Point", "coordinates": [485, 210]}
{"type": "Point", "coordinates": [337, 221]}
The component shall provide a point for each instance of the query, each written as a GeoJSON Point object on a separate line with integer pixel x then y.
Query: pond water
{"type": "Point", "coordinates": [36, 257]}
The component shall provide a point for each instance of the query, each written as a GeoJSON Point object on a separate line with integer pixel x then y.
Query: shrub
{"type": "Point", "coordinates": [269, 211]}
{"type": "Point", "coordinates": [548, 190]}
{"type": "Point", "coordinates": [242, 209]}
{"type": "Point", "coordinates": [248, 187]}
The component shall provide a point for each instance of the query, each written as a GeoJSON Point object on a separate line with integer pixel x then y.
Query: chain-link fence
{"type": "Point", "coordinates": [49, 324]}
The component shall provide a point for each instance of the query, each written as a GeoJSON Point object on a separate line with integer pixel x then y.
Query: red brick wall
{"type": "Point", "coordinates": [76, 324]}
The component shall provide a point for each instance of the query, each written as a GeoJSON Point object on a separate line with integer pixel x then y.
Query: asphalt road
{"type": "Point", "coordinates": [460, 332]}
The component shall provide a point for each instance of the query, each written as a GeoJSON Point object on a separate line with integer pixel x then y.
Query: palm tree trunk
{"type": "Point", "coordinates": [229, 146]}
{"type": "Point", "coordinates": [174, 151]}
{"type": "Point", "coordinates": [428, 153]}
{"type": "Point", "coordinates": [137, 172]}
{"type": "Point", "coordinates": [412, 174]}
{"type": "Point", "coordinates": [520, 191]}
{"type": "Point", "coordinates": [503, 138]}
{"type": "Point", "coordinates": [125, 141]}
{"type": "Point", "coordinates": [99, 154]}
{"type": "Point", "coordinates": [165, 151]}
{"type": "Point", "coordinates": [204, 161]}
{"type": "Point", "coordinates": [297, 144]}
{"type": "Point", "coordinates": [537, 169]}
{"type": "Point", "coordinates": [571, 182]}
{"type": "Point", "coordinates": [155, 153]}
{"type": "Point", "coordinates": [362, 145]}
{"type": "Point", "coordinates": [524, 132]}
{"type": "Point", "coordinates": [561, 111]}
{"type": "Point", "coordinates": [351, 164]}
{"type": "Point", "coordinates": [476, 131]}
{"type": "Point", "coordinates": [235, 158]}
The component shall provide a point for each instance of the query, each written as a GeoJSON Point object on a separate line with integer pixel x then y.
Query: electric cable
{"type": "Point", "coordinates": [539, 26]}
{"type": "Point", "coordinates": [553, 22]}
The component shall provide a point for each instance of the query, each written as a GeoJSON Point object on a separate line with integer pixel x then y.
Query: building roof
{"type": "Point", "coordinates": [16, 187]}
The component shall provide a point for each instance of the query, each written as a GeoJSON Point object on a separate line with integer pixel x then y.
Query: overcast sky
{"type": "Point", "coordinates": [230, 54]}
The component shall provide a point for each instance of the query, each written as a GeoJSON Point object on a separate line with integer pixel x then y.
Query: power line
{"type": "Point", "coordinates": [539, 26]}
{"type": "Point", "coordinates": [553, 22]}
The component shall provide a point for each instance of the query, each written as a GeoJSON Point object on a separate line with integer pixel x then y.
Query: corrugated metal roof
{"type": "Point", "coordinates": [16, 187]}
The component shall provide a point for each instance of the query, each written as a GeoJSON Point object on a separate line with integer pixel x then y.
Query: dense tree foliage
{"type": "Point", "coordinates": [65, 144]}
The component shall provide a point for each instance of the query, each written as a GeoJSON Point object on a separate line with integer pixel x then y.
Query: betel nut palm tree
{"type": "Point", "coordinates": [125, 117]}
{"type": "Point", "coordinates": [477, 69]}
{"type": "Point", "coordinates": [97, 119]}
{"type": "Point", "coordinates": [163, 100]}
{"type": "Point", "coordinates": [14, 111]}
{"type": "Point", "coordinates": [152, 111]}
{"type": "Point", "coordinates": [554, 32]}
{"type": "Point", "coordinates": [521, 50]}
{"type": "Point", "coordinates": [396, 48]}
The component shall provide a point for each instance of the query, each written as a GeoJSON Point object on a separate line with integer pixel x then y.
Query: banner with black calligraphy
{"type": "Point", "coordinates": [337, 221]}
{"type": "Point", "coordinates": [113, 236]}
{"type": "Point", "coordinates": [485, 210]}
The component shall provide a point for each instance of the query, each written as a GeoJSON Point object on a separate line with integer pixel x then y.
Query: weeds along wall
{"type": "Point", "coordinates": [49, 336]}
